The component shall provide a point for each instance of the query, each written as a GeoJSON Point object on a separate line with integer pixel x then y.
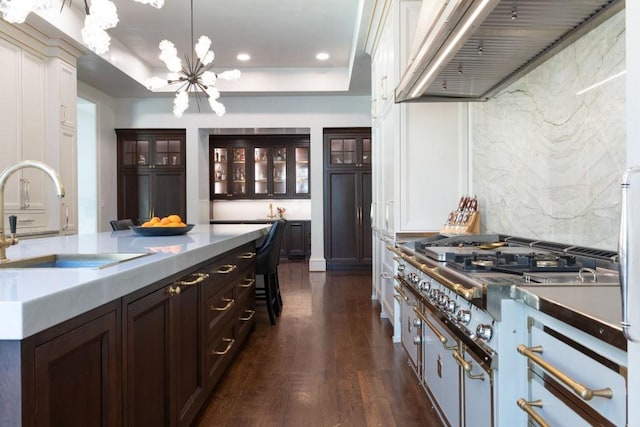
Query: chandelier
{"type": "Point", "coordinates": [100, 16]}
{"type": "Point", "coordinates": [195, 76]}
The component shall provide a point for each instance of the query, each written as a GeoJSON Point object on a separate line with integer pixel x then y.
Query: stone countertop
{"type": "Point", "coordinates": [33, 299]}
{"type": "Point", "coordinates": [253, 221]}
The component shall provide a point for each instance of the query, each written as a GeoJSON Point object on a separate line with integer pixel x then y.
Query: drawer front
{"type": "Point", "coordinates": [220, 306]}
{"type": "Point", "coordinates": [582, 368]}
{"type": "Point", "coordinates": [221, 350]}
{"type": "Point", "coordinates": [27, 220]}
{"type": "Point", "coordinates": [246, 315]}
{"type": "Point", "coordinates": [247, 283]}
{"type": "Point", "coordinates": [230, 267]}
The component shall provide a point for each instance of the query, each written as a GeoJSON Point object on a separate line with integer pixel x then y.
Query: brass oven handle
{"type": "Point", "coordinates": [459, 289]}
{"type": "Point", "coordinates": [248, 282]}
{"type": "Point", "coordinates": [443, 340]}
{"type": "Point", "coordinates": [582, 391]}
{"type": "Point", "coordinates": [226, 307]}
{"type": "Point", "coordinates": [250, 316]}
{"type": "Point", "coordinates": [200, 277]}
{"type": "Point", "coordinates": [226, 269]}
{"type": "Point", "coordinates": [247, 255]}
{"type": "Point", "coordinates": [528, 408]}
{"type": "Point", "coordinates": [466, 366]}
{"type": "Point", "coordinates": [395, 251]}
{"type": "Point", "coordinates": [230, 342]}
{"type": "Point", "coordinates": [399, 291]}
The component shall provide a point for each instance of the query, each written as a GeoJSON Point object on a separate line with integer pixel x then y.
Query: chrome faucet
{"type": "Point", "coordinates": [55, 177]}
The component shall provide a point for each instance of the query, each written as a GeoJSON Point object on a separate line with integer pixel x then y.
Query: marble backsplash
{"type": "Point", "coordinates": [546, 159]}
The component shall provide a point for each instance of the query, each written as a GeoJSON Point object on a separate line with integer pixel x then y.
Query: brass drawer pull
{"type": "Point", "coordinates": [466, 366]}
{"type": "Point", "coordinates": [443, 340]}
{"type": "Point", "coordinates": [248, 282]}
{"type": "Point", "coordinates": [247, 255]}
{"type": "Point", "coordinates": [174, 290]}
{"type": "Point", "coordinates": [226, 269]}
{"type": "Point", "coordinates": [399, 291]}
{"type": "Point", "coordinates": [585, 393]}
{"type": "Point", "coordinates": [226, 307]}
{"type": "Point", "coordinates": [229, 342]}
{"type": "Point", "coordinates": [528, 408]}
{"type": "Point", "coordinates": [200, 277]}
{"type": "Point", "coordinates": [250, 316]}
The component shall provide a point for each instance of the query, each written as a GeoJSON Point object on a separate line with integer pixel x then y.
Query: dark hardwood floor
{"type": "Point", "coordinates": [329, 361]}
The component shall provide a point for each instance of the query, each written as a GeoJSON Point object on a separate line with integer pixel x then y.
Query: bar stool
{"type": "Point", "coordinates": [121, 224]}
{"type": "Point", "coordinates": [267, 260]}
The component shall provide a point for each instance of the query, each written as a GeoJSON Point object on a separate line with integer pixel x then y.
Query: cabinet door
{"type": "Point", "coordinates": [342, 245]}
{"type": "Point", "coordinates": [189, 352]}
{"type": "Point", "coordinates": [301, 165]}
{"type": "Point", "coordinates": [270, 171]}
{"type": "Point", "coordinates": [147, 349]}
{"type": "Point", "coordinates": [76, 380]}
{"type": "Point", "coordinates": [167, 190]}
{"type": "Point", "coordinates": [134, 190]}
{"type": "Point", "coordinates": [69, 174]}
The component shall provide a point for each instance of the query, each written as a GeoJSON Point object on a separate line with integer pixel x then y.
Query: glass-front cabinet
{"type": "Point", "coordinates": [349, 151]}
{"type": "Point", "coordinates": [259, 166]}
{"type": "Point", "coordinates": [229, 172]}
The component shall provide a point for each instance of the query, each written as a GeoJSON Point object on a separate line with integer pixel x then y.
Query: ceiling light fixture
{"type": "Point", "coordinates": [243, 57]}
{"type": "Point", "coordinates": [195, 77]}
{"type": "Point", "coordinates": [322, 56]}
{"type": "Point", "coordinates": [100, 16]}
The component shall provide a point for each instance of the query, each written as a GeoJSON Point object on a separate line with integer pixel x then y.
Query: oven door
{"type": "Point", "coordinates": [441, 374]}
{"type": "Point", "coordinates": [477, 390]}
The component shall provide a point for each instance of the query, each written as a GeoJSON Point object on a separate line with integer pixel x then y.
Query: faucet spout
{"type": "Point", "coordinates": [4, 175]}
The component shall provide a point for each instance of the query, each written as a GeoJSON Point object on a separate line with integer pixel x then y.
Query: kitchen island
{"type": "Point", "coordinates": [140, 342]}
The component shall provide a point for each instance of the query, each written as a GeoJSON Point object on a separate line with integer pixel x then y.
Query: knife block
{"type": "Point", "coordinates": [471, 226]}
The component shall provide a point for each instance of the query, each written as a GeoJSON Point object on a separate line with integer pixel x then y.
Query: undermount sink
{"type": "Point", "coordinates": [92, 261]}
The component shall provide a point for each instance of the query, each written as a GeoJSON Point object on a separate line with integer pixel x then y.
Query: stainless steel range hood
{"type": "Point", "coordinates": [468, 50]}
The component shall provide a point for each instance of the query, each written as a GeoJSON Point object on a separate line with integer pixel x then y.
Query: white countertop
{"type": "Point", "coordinates": [32, 300]}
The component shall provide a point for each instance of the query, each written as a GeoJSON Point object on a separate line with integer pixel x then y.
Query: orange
{"type": "Point", "coordinates": [165, 221]}
{"type": "Point", "coordinates": [148, 224]}
{"type": "Point", "coordinates": [175, 218]}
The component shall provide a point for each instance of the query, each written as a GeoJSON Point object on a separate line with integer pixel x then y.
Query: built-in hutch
{"type": "Point", "coordinates": [419, 154]}
{"type": "Point", "coordinates": [38, 110]}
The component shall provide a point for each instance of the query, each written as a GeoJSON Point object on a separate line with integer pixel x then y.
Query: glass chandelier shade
{"type": "Point", "coordinates": [100, 16]}
{"type": "Point", "coordinates": [194, 76]}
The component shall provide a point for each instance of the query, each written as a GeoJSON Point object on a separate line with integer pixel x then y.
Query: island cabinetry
{"type": "Point", "coordinates": [163, 353]}
{"type": "Point", "coordinates": [67, 375]}
{"type": "Point", "coordinates": [230, 308]}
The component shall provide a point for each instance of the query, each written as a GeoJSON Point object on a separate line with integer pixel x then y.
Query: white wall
{"type": "Point", "coordinates": [313, 112]}
{"type": "Point", "coordinates": [547, 160]}
{"type": "Point", "coordinates": [106, 154]}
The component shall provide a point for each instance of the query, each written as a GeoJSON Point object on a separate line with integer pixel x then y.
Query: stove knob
{"type": "Point", "coordinates": [415, 279]}
{"type": "Point", "coordinates": [451, 306]}
{"type": "Point", "coordinates": [424, 286]}
{"type": "Point", "coordinates": [464, 316]}
{"type": "Point", "coordinates": [417, 340]}
{"type": "Point", "coordinates": [400, 267]}
{"type": "Point", "coordinates": [443, 300]}
{"type": "Point", "coordinates": [484, 332]}
{"type": "Point", "coordinates": [417, 323]}
{"type": "Point", "coordinates": [433, 294]}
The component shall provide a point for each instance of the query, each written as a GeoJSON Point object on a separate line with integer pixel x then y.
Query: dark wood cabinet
{"type": "Point", "coordinates": [151, 173]}
{"type": "Point", "coordinates": [69, 373]}
{"type": "Point", "coordinates": [348, 190]}
{"type": "Point", "coordinates": [296, 242]}
{"type": "Point", "coordinates": [259, 166]}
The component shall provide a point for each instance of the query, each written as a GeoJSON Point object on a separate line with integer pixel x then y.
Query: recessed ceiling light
{"type": "Point", "coordinates": [243, 57]}
{"type": "Point", "coordinates": [322, 56]}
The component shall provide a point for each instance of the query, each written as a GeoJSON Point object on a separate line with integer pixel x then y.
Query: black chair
{"type": "Point", "coordinates": [121, 224]}
{"type": "Point", "coordinates": [267, 260]}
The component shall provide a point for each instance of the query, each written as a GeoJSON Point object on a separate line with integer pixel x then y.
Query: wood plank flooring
{"type": "Point", "coordinates": [329, 361]}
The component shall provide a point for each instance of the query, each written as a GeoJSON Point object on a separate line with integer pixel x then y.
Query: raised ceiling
{"type": "Point", "coordinates": [281, 36]}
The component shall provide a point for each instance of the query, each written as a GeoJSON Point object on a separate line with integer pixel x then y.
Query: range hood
{"type": "Point", "coordinates": [468, 50]}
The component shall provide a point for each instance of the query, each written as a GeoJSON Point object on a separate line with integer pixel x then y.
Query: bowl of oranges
{"type": "Point", "coordinates": [170, 225]}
